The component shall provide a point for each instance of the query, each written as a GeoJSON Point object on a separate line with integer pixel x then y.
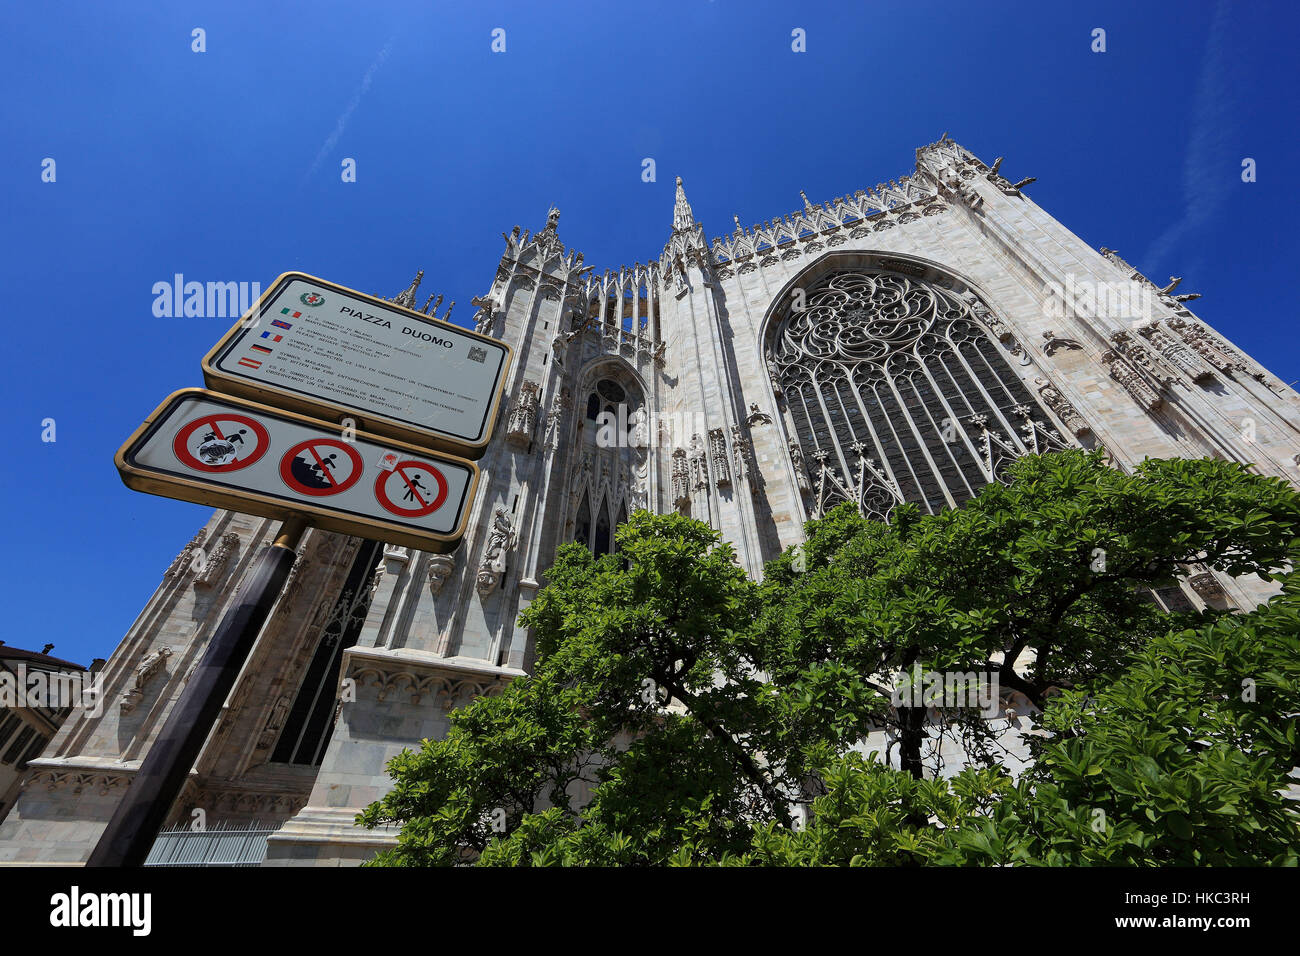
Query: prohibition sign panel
{"type": "Point", "coordinates": [417, 482]}
{"type": "Point", "coordinates": [221, 443]}
{"type": "Point", "coordinates": [297, 466]}
{"type": "Point", "coordinates": [332, 352]}
{"type": "Point", "coordinates": [321, 466]}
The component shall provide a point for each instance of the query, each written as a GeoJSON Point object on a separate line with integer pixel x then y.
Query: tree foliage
{"type": "Point", "coordinates": [679, 712]}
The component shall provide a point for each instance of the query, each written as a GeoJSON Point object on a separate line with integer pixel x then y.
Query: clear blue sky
{"type": "Point", "coordinates": [225, 166]}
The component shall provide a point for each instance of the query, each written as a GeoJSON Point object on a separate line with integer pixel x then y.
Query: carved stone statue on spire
{"type": "Point", "coordinates": [486, 313]}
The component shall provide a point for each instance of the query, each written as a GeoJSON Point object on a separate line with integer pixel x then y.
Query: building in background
{"type": "Point", "coordinates": [27, 724]}
{"type": "Point", "coordinates": [903, 343]}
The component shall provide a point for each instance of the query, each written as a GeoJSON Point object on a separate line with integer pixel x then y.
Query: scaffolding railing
{"type": "Point", "coordinates": [225, 844]}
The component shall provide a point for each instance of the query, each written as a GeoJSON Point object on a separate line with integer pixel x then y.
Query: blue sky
{"type": "Point", "coordinates": [225, 166]}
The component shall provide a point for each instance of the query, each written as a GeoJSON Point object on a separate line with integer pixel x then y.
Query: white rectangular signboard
{"type": "Point", "coordinates": [230, 453]}
{"type": "Point", "coordinates": [335, 353]}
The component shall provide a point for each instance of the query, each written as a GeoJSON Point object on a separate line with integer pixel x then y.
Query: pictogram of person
{"type": "Point", "coordinates": [413, 483]}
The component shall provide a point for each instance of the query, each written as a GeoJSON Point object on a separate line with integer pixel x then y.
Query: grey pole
{"type": "Point", "coordinates": [130, 833]}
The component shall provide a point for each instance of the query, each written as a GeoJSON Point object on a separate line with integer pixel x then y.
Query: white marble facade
{"type": "Point", "coordinates": [717, 372]}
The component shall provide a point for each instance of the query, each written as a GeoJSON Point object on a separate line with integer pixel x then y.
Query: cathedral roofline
{"type": "Point", "coordinates": [923, 188]}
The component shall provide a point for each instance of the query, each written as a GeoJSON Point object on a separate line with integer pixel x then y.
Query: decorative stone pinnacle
{"type": "Point", "coordinates": [407, 299]}
{"type": "Point", "coordinates": [683, 218]}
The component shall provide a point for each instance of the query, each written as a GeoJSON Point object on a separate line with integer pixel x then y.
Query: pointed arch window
{"type": "Point", "coordinates": [601, 542]}
{"type": "Point", "coordinates": [582, 528]}
{"type": "Point", "coordinates": [898, 393]}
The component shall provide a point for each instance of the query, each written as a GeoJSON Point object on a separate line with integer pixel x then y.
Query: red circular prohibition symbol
{"type": "Point", "coordinates": [424, 507]}
{"type": "Point", "coordinates": [321, 470]}
{"type": "Point", "coordinates": [181, 443]}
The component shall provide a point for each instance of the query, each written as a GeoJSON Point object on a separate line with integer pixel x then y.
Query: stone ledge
{"type": "Point", "coordinates": [331, 826]}
{"type": "Point", "coordinates": [454, 681]}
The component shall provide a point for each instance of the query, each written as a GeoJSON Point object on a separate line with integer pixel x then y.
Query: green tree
{"type": "Point", "coordinates": [678, 710]}
{"type": "Point", "coordinates": [1042, 582]}
{"type": "Point", "coordinates": [1185, 760]}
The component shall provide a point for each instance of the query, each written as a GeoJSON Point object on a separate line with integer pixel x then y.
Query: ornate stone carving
{"type": "Point", "coordinates": [775, 376]}
{"type": "Point", "coordinates": [440, 568]}
{"type": "Point", "coordinates": [638, 427]}
{"type": "Point", "coordinates": [1053, 342]}
{"type": "Point", "coordinates": [501, 541]}
{"type": "Point", "coordinates": [406, 299]}
{"type": "Point", "coordinates": [718, 452]}
{"type": "Point", "coordinates": [149, 667]}
{"type": "Point", "coordinates": [740, 451]}
{"type": "Point", "coordinates": [1205, 584]}
{"type": "Point", "coordinates": [699, 464]}
{"type": "Point", "coordinates": [995, 325]}
{"type": "Point", "coordinates": [274, 722]}
{"type": "Point", "coordinates": [1133, 383]}
{"type": "Point", "coordinates": [1175, 352]}
{"type": "Point", "coordinates": [263, 803]}
{"type": "Point", "coordinates": [523, 416]}
{"type": "Point", "coordinates": [446, 690]}
{"type": "Point", "coordinates": [681, 479]}
{"type": "Point", "coordinates": [1007, 187]}
{"type": "Point", "coordinates": [183, 561]}
{"type": "Point", "coordinates": [78, 781]}
{"type": "Point", "coordinates": [1063, 409]}
{"type": "Point", "coordinates": [1175, 301]}
{"type": "Point", "coordinates": [483, 320]}
{"type": "Point", "coordinates": [555, 418]}
{"type": "Point", "coordinates": [756, 416]}
{"type": "Point", "coordinates": [1140, 357]}
{"type": "Point", "coordinates": [560, 346]}
{"type": "Point", "coordinates": [212, 568]}
{"type": "Point", "coordinates": [1217, 354]}
{"type": "Point", "coordinates": [293, 583]}
{"type": "Point", "coordinates": [800, 469]}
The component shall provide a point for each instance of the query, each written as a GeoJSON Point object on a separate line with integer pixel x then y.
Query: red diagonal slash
{"type": "Point", "coordinates": [423, 503]}
{"type": "Point", "coordinates": [323, 470]}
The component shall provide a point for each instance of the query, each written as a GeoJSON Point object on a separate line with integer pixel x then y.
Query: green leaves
{"type": "Point", "coordinates": [679, 711]}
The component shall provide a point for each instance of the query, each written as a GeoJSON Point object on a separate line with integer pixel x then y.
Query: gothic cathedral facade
{"type": "Point", "coordinates": [900, 344]}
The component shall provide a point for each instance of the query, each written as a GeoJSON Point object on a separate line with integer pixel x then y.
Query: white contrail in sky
{"type": "Point", "coordinates": [1204, 188]}
{"type": "Point", "coordinates": [332, 140]}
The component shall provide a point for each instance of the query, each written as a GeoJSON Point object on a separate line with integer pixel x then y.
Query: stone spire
{"type": "Point", "coordinates": [407, 299]}
{"type": "Point", "coordinates": [683, 218]}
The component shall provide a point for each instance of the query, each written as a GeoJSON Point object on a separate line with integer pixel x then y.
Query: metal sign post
{"type": "Point", "coordinates": [134, 826]}
{"type": "Point", "coordinates": [430, 389]}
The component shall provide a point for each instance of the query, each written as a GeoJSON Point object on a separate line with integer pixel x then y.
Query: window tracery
{"type": "Point", "coordinates": [898, 392]}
